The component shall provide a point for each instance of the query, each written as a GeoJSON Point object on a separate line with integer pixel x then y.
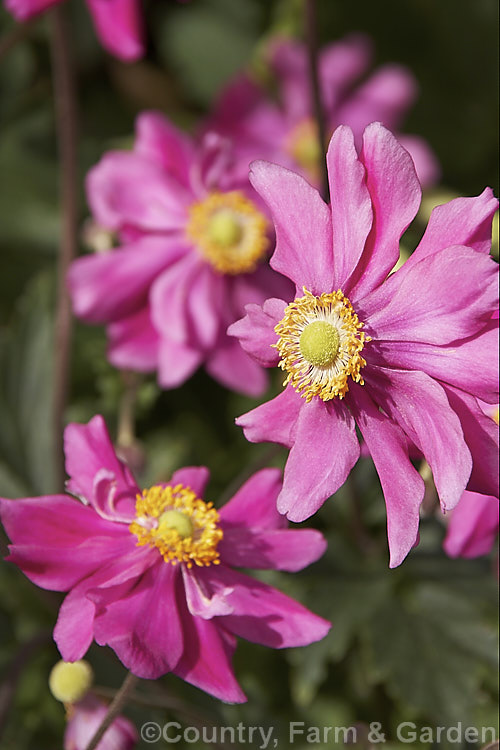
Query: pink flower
{"type": "Point", "coordinates": [404, 357]}
{"type": "Point", "coordinates": [473, 526]}
{"type": "Point", "coordinates": [192, 237]}
{"type": "Point", "coordinates": [85, 718]}
{"type": "Point", "coordinates": [151, 574]}
{"type": "Point", "coordinates": [118, 23]}
{"type": "Point", "coordinates": [286, 132]}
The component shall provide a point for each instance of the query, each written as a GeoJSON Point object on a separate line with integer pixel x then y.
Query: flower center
{"type": "Point", "coordinates": [229, 232]}
{"type": "Point", "coordinates": [320, 343]}
{"type": "Point", "coordinates": [180, 525]}
{"type": "Point", "coordinates": [304, 146]}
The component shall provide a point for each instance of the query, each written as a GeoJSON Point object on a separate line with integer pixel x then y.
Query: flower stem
{"type": "Point", "coordinates": [311, 31]}
{"type": "Point", "coordinates": [66, 126]}
{"type": "Point", "coordinates": [114, 709]}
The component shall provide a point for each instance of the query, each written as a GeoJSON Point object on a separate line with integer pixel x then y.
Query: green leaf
{"type": "Point", "coordinates": [430, 649]}
{"type": "Point", "coordinates": [26, 435]}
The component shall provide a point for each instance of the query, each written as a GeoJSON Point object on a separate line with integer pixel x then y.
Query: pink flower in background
{"type": "Point", "coordinates": [473, 526]}
{"type": "Point", "coordinates": [118, 23]}
{"type": "Point", "coordinates": [404, 357]}
{"type": "Point", "coordinates": [85, 718]}
{"type": "Point", "coordinates": [193, 242]}
{"type": "Point", "coordinates": [151, 574]}
{"type": "Point", "coordinates": [286, 133]}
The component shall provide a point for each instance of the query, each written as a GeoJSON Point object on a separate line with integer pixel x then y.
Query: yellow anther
{"type": "Point", "coordinates": [180, 525]}
{"type": "Point", "coordinates": [229, 232]}
{"type": "Point", "coordinates": [320, 341]}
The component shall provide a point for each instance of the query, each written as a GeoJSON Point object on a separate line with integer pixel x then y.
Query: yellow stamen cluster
{"type": "Point", "coordinates": [304, 146]}
{"type": "Point", "coordinates": [320, 343]}
{"type": "Point", "coordinates": [180, 525]}
{"type": "Point", "coordinates": [229, 232]}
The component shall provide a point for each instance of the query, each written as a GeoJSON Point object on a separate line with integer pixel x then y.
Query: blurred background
{"type": "Point", "coordinates": [414, 644]}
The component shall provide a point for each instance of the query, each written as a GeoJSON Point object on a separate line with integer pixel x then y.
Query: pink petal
{"type": "Point", "coordinates": [160, 142]}
{"type": "Point", "coordinates": [350, 206]}
{"type": "Point", "coordinates": [239, 113]}
{"type": "Point", "coordinates": [340, 65]}
{"type": "Point", "coordinates": [255, 332]}
{"type": "Point", "coordinates": [385, 97]}
{"type": "Point", "coordinates": [74, 630]}
{"type": "Point", "coordinates": [471, 364]}
{"type": "Point", "coordinates": [481, 436]}
{"type": "Point", "coordinates": [232, 367]}
{"type": "Point", "coordinates": [473, 526]}
{"type": "Point", "coordinates": [324, 451]}
{"type": "Point", "coordinates": [263, 614]}
{"type": "Point", "coordinates": [447, 296]}
{"type": "Point", "coordinates": [126, 189]}
{"type": "Point", "coordinates": [57, 541]}
{"type": "Point", "coordinates": [113, 285]}
{"type": "Point", "coordinates": [88, 449]}
{"type": "Point", "coordinates": [22, 10]}
{"type": "Point", "coordinates": [257, 287]}
{"type": "Point", "coordinates": [419, 405]}
{"type": "Point", "coordinates": [206, 661]}
{"type": "Point", "coordinates": [133, 343]}
{"type": "Point", "coordinates": [144, 627]}
{"type": "Point", "coordinates": [119, 26]}
{"type": "Point", "coordinates": [84, 720]}
{"type": "Point", "coordinates": [170, 300]}
{"type": "Point", "coordinates": [201, 600]}
{"type": "Point", "coordinates": [211, 169]}
{"type": "Point", "coordinates": [395, 196]}
{"type": "Point", "coordinates": [206, 302]}
{"type": "Point", "coordinates": [287, 549]}
{"type": "Point", "coordinates": [194, 477]}
{"type": "Point", "coordinates": [463, 221]}
{"type": "Point", "coordinates": [402, 485]}
{"type": "Point", "coordinates": [303, 226]}
{"type": "Point", "coordinates": [425, 160]}
{"type": "Point", "coordinates": [273, 421]}
{"type": "Point", "coordinates": [176, 363]}
{"type": "Point", "coordinates": [288, 60]}
{"type": "Point", "coordinates": [254, 504]}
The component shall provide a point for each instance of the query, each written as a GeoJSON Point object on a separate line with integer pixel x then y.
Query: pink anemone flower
{"type": "Point", "coordinates": [118, 23]}
{"type": "Point", "coordinates": [150, 573]}
{"type": "Point", "coordinates": [404, 356]}
{"type": "Point", "coordinates": [193, 244]}
{"type": "Point", "coordinates": [85, 718]}
{"type": "Point", "coordinates": [285, 132]}
{"type": "Point", "coordinates": [473, 526]}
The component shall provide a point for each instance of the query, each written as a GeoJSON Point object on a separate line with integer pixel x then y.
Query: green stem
{"type": "Point", "coordinates": [66, 126]}
{"type": "Point", "coordinates": [114, 709]}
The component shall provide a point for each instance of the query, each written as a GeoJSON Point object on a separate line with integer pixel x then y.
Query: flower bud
{"type": "Point", "coordinates": [70, 681]}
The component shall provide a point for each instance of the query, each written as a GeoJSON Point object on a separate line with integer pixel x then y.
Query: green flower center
{"type": "Point", "coordinates": [175, 520]}
{"type": "Point", "coordinates": [225, 229]}
{"type": "Point", "coordinates": [319, 343]}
